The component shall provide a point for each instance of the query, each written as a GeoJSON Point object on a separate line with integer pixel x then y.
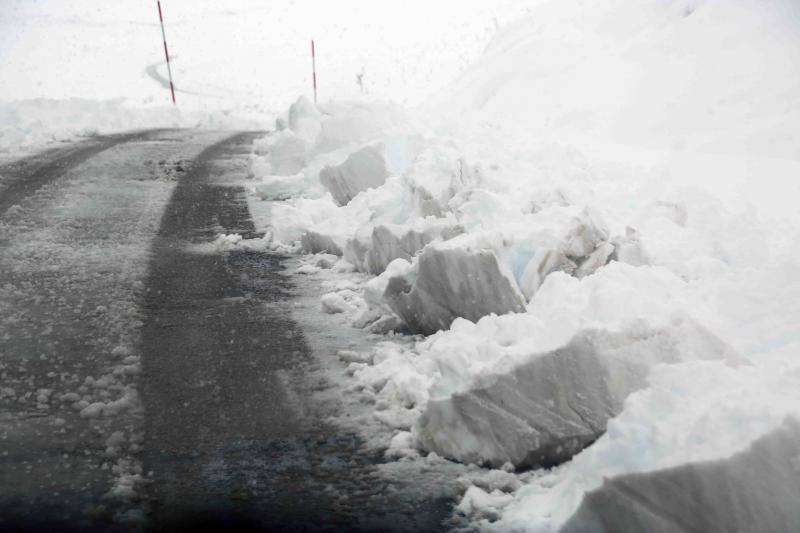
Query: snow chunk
{"type": "Point", "coordinates": [128, 401]}
{"type": "Point", "coordinates": [755, 490]}
{"type": "Point", "coordinates": [362, 170]}
{"type": "Point", "coordinates": [693, 412]}
{"type": "Point", "coordinates": [313, 242]}
{"type": "Point", "coordinates": [452, 282]}
{"type": "Point", "coordinates": [325, 260]}
{"type": "Point", "coordinates": [307, 269]}
{"type": "Point", "coordinates": [389, 242]}
{"type": "Point", "coordinates": [333, 303]}
{"type": "Point", "coordinates": [229, 242]}
{"type": "Point", "coordinates": [543, 411]}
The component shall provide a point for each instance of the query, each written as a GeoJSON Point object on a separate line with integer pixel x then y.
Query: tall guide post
{"type": "Point", "coordinates": [166, 52]}
{"type": "Point", "coordinates": [314, 69]}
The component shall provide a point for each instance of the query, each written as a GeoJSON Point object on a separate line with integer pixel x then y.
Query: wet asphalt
{"type": "Point", "coordinates": [231, 437]}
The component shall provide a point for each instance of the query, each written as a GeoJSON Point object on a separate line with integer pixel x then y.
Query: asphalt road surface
{"type": "Point", "coordinates": [149, 381]}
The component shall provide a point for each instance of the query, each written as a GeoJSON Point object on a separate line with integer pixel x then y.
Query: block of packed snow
{"type": "Point", "coordinates": [313, 242]}
{"type": "Point", "coordinates": [543, 411]}
{"type": "Point", "coordinates": [452, 282]}
{"type": "Point", "coordinates": [333, 303]}
{"type": "Point", "coordinates": [355, 252]}
{"type": "Point", "coordinates": [754, 490]}
{"type": "Point", "coordinates": [362, 170]}
{"type": "Point", "coordinates": [378, 317]}
{"type": "Point", "coordinates": [388, 246]}
{"type": "Point", "coordinates": [388, 243]}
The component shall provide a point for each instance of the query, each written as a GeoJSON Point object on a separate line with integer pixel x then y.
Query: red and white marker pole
{"type": "Point", "coordinates": [314, 69]}
{"type": "Point", "coordinates": [166, 52]}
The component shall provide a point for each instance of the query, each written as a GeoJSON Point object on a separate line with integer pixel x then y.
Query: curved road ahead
{"type": "Point", "coordinates": [148, 381]}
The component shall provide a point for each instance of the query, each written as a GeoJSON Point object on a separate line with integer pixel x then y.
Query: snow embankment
{"type": "Point", "coordinates": [543, 411]}
{"type": "Point", "coordinates": [587, 228]}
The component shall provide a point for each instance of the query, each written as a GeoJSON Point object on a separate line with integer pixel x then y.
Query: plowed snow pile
{"type": "Point", "coordinates": [585, 255]}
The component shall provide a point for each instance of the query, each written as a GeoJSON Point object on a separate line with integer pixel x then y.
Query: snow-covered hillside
{"type": "Point", "coordinates": [593, 227]}
{"type": "Point", "coordinates": [235, 63]}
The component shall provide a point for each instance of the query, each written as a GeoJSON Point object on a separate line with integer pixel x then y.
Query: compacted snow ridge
{"type": "Point", "coordinates": [577, 262]}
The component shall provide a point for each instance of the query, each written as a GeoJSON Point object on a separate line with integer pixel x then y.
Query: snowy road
{"type": "Point", "coordinates": [147, 377]}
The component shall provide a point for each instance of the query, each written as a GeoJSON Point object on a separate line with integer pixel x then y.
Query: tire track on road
{"type": "Point", "coordinates": [232, 434]}
{"type": "Point", "coordinates": [72, 267]}
{"type": "Point", "coordinates": [28, 175]}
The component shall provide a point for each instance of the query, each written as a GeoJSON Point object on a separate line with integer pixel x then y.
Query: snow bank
{"type": "Point", "coordinates": [543, 411]}
{"type": "Point", "coordinates": [600, 166]}
{"type": "Point", "coordinates": [334, 173]}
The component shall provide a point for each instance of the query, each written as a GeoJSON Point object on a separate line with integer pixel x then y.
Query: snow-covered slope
{"type": "Point", "coordinates": [622, 161]}
{"type": "Point", "coordinates": [691, 75]}
{"type": "Point", "coordinates": [235, 63]}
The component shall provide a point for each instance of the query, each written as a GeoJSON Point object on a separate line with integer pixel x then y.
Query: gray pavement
{"type": "Point", "coordinates": [205, 417]}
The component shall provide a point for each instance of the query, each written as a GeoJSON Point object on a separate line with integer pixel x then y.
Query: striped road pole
{"type": "Point", "coordinates": [166, 53]}
{"type": "Point", "coordinates": [314, 69]}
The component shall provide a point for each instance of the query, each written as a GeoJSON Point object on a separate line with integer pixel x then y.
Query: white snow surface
{"type": "Point", "coordinates": [72, 67]}
{"type": "Point", "coordinates": [623, 161]}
